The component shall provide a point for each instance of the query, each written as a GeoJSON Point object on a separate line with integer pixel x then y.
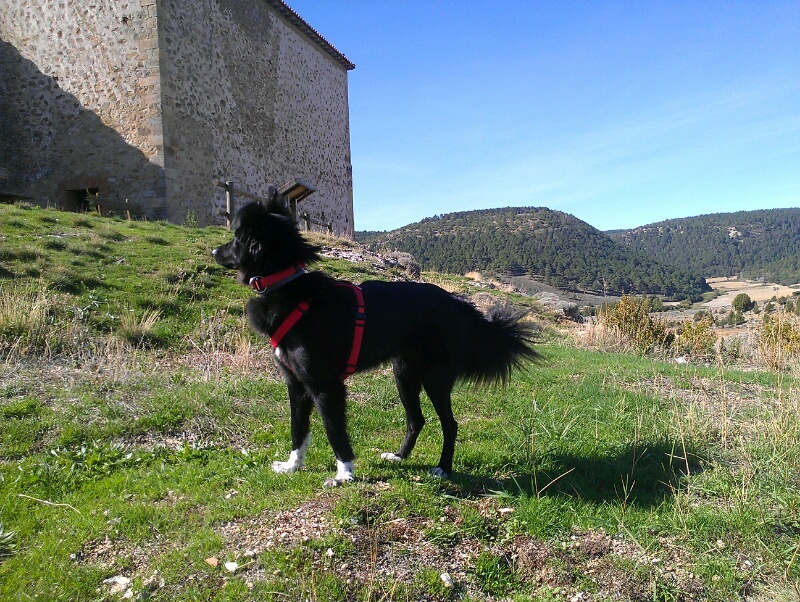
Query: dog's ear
{"type": "Point", "coordinates": [275, 202]}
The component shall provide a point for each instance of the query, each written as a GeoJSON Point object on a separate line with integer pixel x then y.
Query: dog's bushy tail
{"type": "Point", "coordinates": [502, 343]}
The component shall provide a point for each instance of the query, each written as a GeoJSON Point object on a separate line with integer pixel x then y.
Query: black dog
{"type": "Point", "coordinates": [323, 330]}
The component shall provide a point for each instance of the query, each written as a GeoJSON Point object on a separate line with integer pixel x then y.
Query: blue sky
{"type": "Point", "coordinates": [620, 113]}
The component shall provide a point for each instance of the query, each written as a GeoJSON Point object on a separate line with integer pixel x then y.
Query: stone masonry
{"type": "Point", "coordinates": [151, 100]}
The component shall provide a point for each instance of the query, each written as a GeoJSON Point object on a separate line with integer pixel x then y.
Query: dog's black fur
{"type": "Point", "coordinates": [431, 338]}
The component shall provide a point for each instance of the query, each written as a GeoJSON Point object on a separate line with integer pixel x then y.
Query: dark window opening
{"type": "Point", "coordinates": [81, 200]}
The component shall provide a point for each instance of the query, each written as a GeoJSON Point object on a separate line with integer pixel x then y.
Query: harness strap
{"type": "Point", "coordinates": [358, 330]}
{"type": "Point", "coordinates": [264, 284]}
{"type": "Point", "coordinates": [288, 323]}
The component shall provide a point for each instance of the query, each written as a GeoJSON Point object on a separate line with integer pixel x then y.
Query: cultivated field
{"type": "Point", "coordinates": [758, 291]}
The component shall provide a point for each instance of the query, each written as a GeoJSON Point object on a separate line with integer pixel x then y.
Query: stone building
{"type": "Point", "coordinates": [151, 100]}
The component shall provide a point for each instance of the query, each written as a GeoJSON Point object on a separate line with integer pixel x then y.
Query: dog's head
{"type": "Point", "coordinates": [265, 241]}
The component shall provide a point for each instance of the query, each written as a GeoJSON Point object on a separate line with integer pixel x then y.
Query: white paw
{"type": "Point", "coordinates": [297, 458]}
{"type": "Point", "coordinates": [284, 467]}
{"type": "Point", "coordinates": [438, 472]}
{"type": "Point", "coordinates": [390, 457]}
{"type": "Point", "coordinates": [344, 474]}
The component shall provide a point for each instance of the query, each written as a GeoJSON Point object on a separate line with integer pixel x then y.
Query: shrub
{"type": "Point", "coordinates": [656, 304]}
{"type": "Point", "coordinates": [731, 349]}
{"type": "Point", "coordinates": [734, 318]}
{"type": "Point", "coordinates": [631, 318]}
{"type": "Point", "coordinates": [742, 303]}
{"type": "Point", "coordinates": [779, 340]}
{"type": "Point", "coordinates": [697, 337]}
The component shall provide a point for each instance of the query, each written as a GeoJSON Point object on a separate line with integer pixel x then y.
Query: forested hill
{"type": "Point", "coordinates": [550, 246]}
{"type": "Point", "coordinates": [753, 244]}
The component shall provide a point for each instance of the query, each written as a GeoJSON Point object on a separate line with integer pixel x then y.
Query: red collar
{"type": "Point", "coordinates": [264, 284]}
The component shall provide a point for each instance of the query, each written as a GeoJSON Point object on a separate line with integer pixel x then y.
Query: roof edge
{"type": "Point", "coordinates": [288, 13]}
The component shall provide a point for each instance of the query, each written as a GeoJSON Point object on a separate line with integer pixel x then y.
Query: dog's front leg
{"type": "Point", "coordinates": [331, 404]}
{"type": "Point", "coordinates": [301, 404]}
{"type": "Point", "coordinates": [297, 458]}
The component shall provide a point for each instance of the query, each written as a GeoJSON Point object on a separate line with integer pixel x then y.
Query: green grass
{"type": "Point", "coordinates": [147, 455]}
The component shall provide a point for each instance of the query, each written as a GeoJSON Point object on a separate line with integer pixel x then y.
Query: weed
{"type": "Point", "coordinates": [494, 573]}
{"type": "Point", "coordinates": [24, 408]}
{"type": "Point", "coordinates": [191, 219]}
{"type": "Point", "coordinates": [8, 543]}
{"type": "Point", "coordinates": [93, 460]}
{"type": "Point", "coordinates": [139, 330]}
{"type": "Point", "coordinates": [431, 585]}
{"type": "Point", "coordinates": [34, 322]}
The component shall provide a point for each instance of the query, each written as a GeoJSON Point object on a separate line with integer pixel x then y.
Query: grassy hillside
{"type": "Point", "coordinates": [553, 247]}
{"type": "Point", "coordinates": [135, 454]}
{"type": "Point", "coordinates": [753, 244]}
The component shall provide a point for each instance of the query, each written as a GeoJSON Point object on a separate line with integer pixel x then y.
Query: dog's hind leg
{"type": "Point", "coordinates": [301, 404]}
{"type": "Point", "coordinates": [407, 378]}
{"type": "Point", "coordinates": [438, 387]}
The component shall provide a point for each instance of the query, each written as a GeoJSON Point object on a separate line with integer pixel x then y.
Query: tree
{"type": "Point", "coordinates": [742, 303]}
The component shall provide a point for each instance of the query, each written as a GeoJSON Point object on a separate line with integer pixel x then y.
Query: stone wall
{"type": "Point", "coordinates": [152, 99]}
{"type": "Point", "coordinates": [248, 98]}
{"type": "Point", "coordinates": [81, 101]}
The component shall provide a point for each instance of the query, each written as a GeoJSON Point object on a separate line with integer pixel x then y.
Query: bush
{"type": "Point", "coordinates": [734, 318]}
{"type": "Point", "coordinates": [779, 340]}
{"type": "Point", "coordinates": [742, 303]}
{"type": "Point", "coordinates": [697, 337]}
{"type": "Point", "coordinates": [631, 318]}
{"type": "Point", "coordinates": [656, 304]}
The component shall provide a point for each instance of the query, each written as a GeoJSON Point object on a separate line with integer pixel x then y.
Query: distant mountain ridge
{"type": "Point", "coordinates": [752, 244]}
{"type": "Point", "coordinates": [550, 246]}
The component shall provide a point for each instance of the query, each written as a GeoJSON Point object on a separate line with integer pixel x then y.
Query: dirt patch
{"type": "Point", "coordinates": [388, 553]}
{"type": "Point", "coordinates": [391, 552]}
{"type": "Point", "coordinates": [760, 292]}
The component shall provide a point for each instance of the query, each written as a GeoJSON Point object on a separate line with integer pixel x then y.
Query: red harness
{"type": "Point", "coordinates": [358, 331]}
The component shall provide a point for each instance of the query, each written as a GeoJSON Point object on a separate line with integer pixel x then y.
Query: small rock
{"type": "Point", "coordinates": [118, 583]}
{"type": "Point", "coordinates": [447, 579]}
